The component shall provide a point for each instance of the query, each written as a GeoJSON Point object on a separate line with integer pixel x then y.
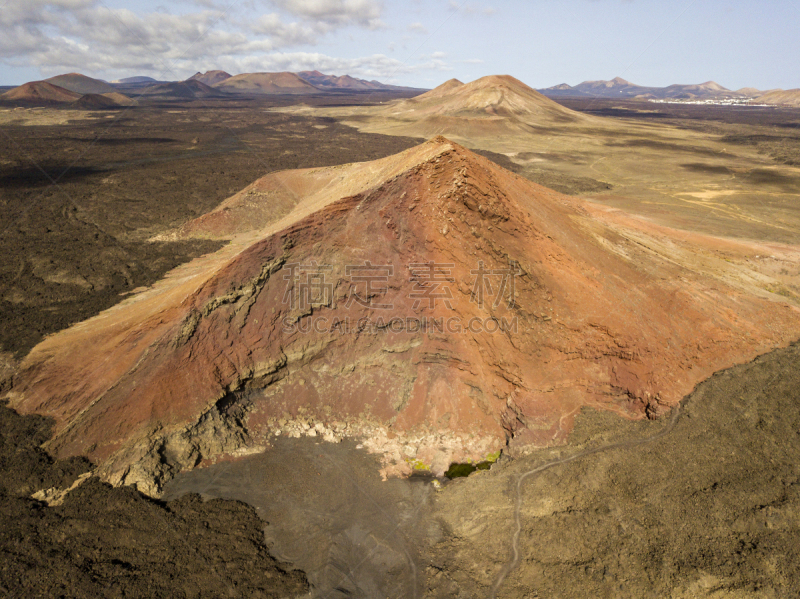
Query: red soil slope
{"type": "Point", "coordinates": [536, 304]}
{"type": "Point", "coordinates": [266, 83]}
{"type": "Point", "coordinates": [40, 92]}
{"type": "Point", "coordinates": [210, 77]}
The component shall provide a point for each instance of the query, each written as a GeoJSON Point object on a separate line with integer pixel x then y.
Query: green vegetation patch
{"type": "Point", "coordinates": [461, 470]}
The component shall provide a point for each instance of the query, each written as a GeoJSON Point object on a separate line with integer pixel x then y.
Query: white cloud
{"type": "Point", "coordinates": [284, 34]}
{"type": "Point", "coordinates": [58, 36]}
{"type": "Point", "coordinates": [85, 35]}
{"type": "Point", "coordinates": [471, 8]}
{"type": "Point", "coordinates": [376, 66]}
{"type": "Point", "coordinates": [335, 12]}
{"type": "Point", "coordinates": [418, 28]}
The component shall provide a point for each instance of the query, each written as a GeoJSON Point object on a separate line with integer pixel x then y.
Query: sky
{"type": "Point", "coordinates": [420, 43]}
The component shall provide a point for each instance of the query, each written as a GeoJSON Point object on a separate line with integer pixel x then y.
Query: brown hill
{"type": "Point", "coordinates": [492, 106]}
{"type": "Point", "coordinates": [81, 84]}
{"type": "Point", "coordinates": [341, 82]}
{"type": "Point", "coordinates": [95, 102]}
{"type": "Point", "coordinates": [430, 304]}
{"type": "Point", "coordinates": [40, 92]}
{"type": "Point", "coordinates": [615, 88]}
{"type": "Point", "coordinates": [120, 99]}
{"type": "Point", "coordinates": [266, 83]}
{"type": "Point", "coordinates": [749, 91]}
{"type": "Point", "coordinates": [495, 95]}
{"type": "Point", "coordinates": [347, 83]}
{"type": "Point", "coordinates": [210, 77]}
{"type": "Point", "coordinates": [191, 88]}
{"type": "Point", "coordinates": [709, 89]}
{"type": "Point", "coordinates": [563, 90]}
{"type": "Point", "coordinates": [443, 90]}
{"type": "Point", "coordinates": [620, 88]}
{"type": "Point", "coordinates": [789, 97]}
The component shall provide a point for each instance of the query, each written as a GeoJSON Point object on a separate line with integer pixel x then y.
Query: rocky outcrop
{"type": "Point", "coordinates": [444, 310]}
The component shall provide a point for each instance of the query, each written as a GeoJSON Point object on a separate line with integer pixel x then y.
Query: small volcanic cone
{"type": "Point", "coordinates": [444, 90]}
{"type": "Point", "coordinates": [210, 77]}
{"type": "Point", "coordinates": [790, 97]}
{"type": "Point", "coordinates": [191, 88]}
{"type": "Point", "coordinates": [487, 107]}
{"type": "Point", "coordinates": [81, 84]}
{"type": "Point", "coordinates": [441, 311]}
{"type": "Point", "coordinates": [495, 95]}
{"type": "Point", "coordinates": [95, 102]}
{"type": "Point", "coordinates": [120, 99]}
{"type": "Point", "coordinates": [265, 83]}
{"type": "Point", "coordinates": [40, 92]}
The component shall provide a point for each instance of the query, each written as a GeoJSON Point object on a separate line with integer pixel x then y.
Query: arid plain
{"type": "Point", "coordinates": [639, 491]}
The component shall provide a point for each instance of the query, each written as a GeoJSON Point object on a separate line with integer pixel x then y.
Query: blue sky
{"type": "Point", "coordinates": [416, 42]}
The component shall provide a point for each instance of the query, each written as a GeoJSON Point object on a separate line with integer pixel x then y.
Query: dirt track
{"type": "Point", "coordinates": [522, 478]}
{"type": "Point", "coordinates": [709, 509]}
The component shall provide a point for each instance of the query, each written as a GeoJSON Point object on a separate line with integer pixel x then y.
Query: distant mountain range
{"type": "Point", "coordinates": [620, 88]}
{"type": "Point", "coordinates": [70, 87]}
{"type": "Point", "coordinates": [304, 82]}
{"type": "Point", "coordinates": [346, 82]}
{"type": "Point", "coordinates": [73, 89]}
{"type": "Point", "coordinates": [217, 83]}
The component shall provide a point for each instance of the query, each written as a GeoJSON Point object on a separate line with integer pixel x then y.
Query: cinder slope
{"type": "Point", "coordinates": [615, 88]}
{"type": "Point", "coordinates": [40, 92]}
{"type": "Point", "coordinates": [121, 99]}
{"type": "Point", "coordinates": [191, 88]}
{"type": "Point", "coordinates": [495, 95]}
{"type": "Point", "coordinates": [442, 91]}
{"type": "Point", "coordinates": [266, 83]}
{"type": "Point", "coordinates": [709, 89]}
{"type": "Point", "coordinates": [210, 77]}
{"type": "Point", "coordinates": [281, 199]}
{"type": "Point", "coordinates": [497, 105]}
{"type": "Point", "coordinates": [333, 82]}
{"type": "Point", "coordinates": [789, 97]}
{"type": "Point", "coordinates": [605, 311]}
{"type": "Point", "coordinates": [95, 102]}
{"type": "Point", "coordinates": [81, 84]}
{"type": "Point", "coordinates": [749, 91]}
